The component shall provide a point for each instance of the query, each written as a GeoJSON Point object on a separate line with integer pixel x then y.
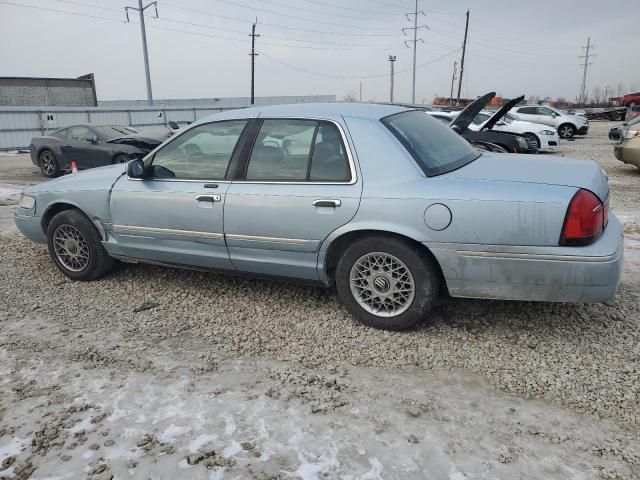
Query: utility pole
{"type": "Point", "coordinates": [392, 61]}
{"type": "Point", "coordinates": [415, 28]}
{"type": "Point", "coordinates": [253, 55]}
{"type": "Point", "coordinates": [586, 64]}
{"type": "Point", "coordinates": [464, 48]}
{"type": "Point", "coordinates": [143, 31]}
{"type": "Point", "coordinates": [453, 79]}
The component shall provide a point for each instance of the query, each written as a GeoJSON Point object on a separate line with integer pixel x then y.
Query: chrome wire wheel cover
{"type": "Point", "coordinates": [71, 248]}
{"type": "Point", "coordinates": [47, 163]}
{"type": "Point", "coordinates": [382, 284]}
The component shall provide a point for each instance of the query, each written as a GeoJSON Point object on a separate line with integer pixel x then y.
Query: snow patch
{"type": "Point", "coordinates": [200, 441]}
{"type": "Point", "coordinates": [13, 448]}
{"type": "Point", "coordinates": [232, 449]}
{"type": "Point", "coordinates": [170, 433]}
{"type": "Point", "coordinates": [230, 425]}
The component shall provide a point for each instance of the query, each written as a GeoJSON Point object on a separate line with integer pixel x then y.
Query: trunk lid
{"type": "Point", "coordinates": [462, 121]}
{"type": "Point", "coordinates": [547, 170]}
{"type": "Point", "coordinates": [501, 113]}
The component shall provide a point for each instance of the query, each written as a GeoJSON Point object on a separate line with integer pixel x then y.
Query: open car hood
{"type": "Point", "coordinates": [462, 121]}
{"type": "Point", "coordinates": [147, 140]}
{"type": "Point", "coordinates": [501, 113]}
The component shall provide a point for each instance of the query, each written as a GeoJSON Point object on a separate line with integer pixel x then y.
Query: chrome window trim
{"type": "Point", "coordinates": [255, 238]}
{"type": "Point", "coordinates": [172, 231]}
{"type": "Point", "coordinates": [347, 148]}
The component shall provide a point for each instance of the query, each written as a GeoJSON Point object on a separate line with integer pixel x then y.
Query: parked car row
{"type": "Point", "coordinates": [386, 203]}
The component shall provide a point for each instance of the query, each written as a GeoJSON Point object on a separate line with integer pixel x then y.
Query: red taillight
{"type": "Point", "coordinates": [585, 219]}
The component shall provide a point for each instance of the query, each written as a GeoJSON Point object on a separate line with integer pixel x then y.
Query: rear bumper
{"type": "Point", "coordinates": [587, 274]}
{"type": "Point", "coordinates": [29, 225]}
{"type": "Point", "coordinates": [628, 152]}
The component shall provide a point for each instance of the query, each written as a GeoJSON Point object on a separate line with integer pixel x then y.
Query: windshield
{"type": "Point", "coordinates": [115, 131]}
{"type": "Point", "coordinates": [435, 146]}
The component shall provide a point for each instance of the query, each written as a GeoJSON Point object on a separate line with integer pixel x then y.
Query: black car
{"type": "Point", "coordinates": [92, 146]}
{"type": "Point", "coordinates": [486, 138]}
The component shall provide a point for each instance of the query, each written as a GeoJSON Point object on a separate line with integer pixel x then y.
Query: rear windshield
{"type": "Point", "coordinates": [435, 146]}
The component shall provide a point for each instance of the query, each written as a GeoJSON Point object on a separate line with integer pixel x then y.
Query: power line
{"type": "Point", "coordinates": [272, 2]}
{"type": "Point", "coordinates": [35, 7]}
{"type": "Point", "coordinates": [285, 27]}
{"type": "Point", "coordinates": [295, 17]}
{"type": "Point", "coordinates": [352, 77]}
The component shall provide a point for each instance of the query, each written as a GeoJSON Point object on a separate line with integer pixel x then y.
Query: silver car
{"type": "Point", "coordinates": [390, 206]}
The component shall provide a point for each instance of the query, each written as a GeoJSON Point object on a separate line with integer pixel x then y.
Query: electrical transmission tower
{"type": "Point", "coordinates": [415, 41]}
{"type": "Point", "coordinates": [587, 56]}
{"type": "Point", "coordinates": [143, 31]}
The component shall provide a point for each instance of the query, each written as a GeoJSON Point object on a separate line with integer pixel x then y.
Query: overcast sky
{"type": "Point", "coordinates": [199, 48]}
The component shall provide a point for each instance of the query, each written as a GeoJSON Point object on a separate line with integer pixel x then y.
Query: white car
{"type": "Point", "coordinates": [545, 136]}
{"type": "Point", "coordinates": [567, 125]}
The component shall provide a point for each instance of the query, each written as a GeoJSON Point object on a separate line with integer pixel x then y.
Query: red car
{"type": "Point", "coordinates": [631, 99]}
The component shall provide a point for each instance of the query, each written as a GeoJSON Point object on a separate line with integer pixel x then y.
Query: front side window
{"type": "Point", "coordinates": [204, 152]}
{"type": "Point", "coordinates": [81, 134]}
{"type": "Point", "coordinates": [298, 150]}
{"type": "Point", "coordinates": [436, 147]}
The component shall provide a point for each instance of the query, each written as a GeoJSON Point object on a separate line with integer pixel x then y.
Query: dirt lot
{"type": "Point", "coordinates": [163, 374]}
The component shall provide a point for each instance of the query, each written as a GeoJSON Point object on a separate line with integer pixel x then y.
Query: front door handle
{"type": "Point", "coordinates": [209, 198]}
{"type": "Point", "coordinates": [327, 203]}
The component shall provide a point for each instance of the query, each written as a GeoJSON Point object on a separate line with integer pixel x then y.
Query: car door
{"type": "Point", "coordinates": [175, 214]}
{"type": "Point", "coordinates": [547, 116]}
{"type": "Point", "coordinates": [298, 184]}
{"type": "Point", "coordinates": [80, 147]}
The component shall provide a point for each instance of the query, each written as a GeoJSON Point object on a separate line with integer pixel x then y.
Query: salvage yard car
{"type": "Point", "coordinates": [388, 204]}
{"type": "Point", "coordinates": [92, 146]}
{"type": "Point", "coordinates": [627, 149]}
{"type": "Point", "coordinates": [567, 125]}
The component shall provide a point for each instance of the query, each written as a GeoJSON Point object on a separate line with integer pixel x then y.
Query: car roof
{"type": "Point", "coordinates": [336, 110]}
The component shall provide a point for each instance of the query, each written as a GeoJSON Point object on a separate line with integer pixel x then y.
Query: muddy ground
{"type": "Point", "coordinates": [164, 374]}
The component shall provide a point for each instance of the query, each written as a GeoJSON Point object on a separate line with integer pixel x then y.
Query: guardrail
{"type": "Point", "coordinates": [19, 124]}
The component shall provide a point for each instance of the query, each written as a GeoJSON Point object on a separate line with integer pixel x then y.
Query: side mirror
{"type": "Point", "coordinates": [136, 169]}
{"type": "Point", "coordinates": [173, 125]}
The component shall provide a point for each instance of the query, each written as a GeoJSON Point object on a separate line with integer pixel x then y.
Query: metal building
{"type": "Point", "coordinates": [48, 92]}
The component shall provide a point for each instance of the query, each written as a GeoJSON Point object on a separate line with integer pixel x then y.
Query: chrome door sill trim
{"type": "Point", "coordinates": [170, 231]}
{"type": "Point", "coordinates": [251, 238]}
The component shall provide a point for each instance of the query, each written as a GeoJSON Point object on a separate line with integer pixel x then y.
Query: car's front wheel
{"type": "Point", "coordinates": [566, 130]}
{"type": "Point", "coordinates": [48, 164]}
{"type": "Point", "coordinates": [121, 158]}
{"type": "Point", "coordinates": [387, 282]}
{"type": "Point", "coordinates": [76, 247]}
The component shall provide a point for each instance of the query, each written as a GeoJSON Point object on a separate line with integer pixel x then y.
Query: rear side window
{"type": "Point", "coordinates": [204, 152]}
{"type": "Point", "coordinates": [62, 133]}
{"type": "Point", "coordinates": [435, 146]}
{"type": "Point", "coordinates": [298, 151]}
{"type": "Point", "coordinates": [528, 110]}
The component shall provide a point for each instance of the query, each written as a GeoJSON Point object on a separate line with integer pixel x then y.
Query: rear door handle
{"type": "Point", "coordinates": [327, 203]}
{"type": "Point", "coordinates": [209, 198]}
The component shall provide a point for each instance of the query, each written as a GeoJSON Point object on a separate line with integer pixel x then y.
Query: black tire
{"type": "Point", "coordinates": [566, 130]}
{"type": "Point", "coordinates": [98, 263]}
{"type": "Point", "coordinates": [533, 137]}
{"type": "Point", "coordinates": [48, 164]}
{"type": "Point", "coordinates": [426, 280]}
{"type": "Point", "coordinates": [618, 116]}
{"type": "Point", "coordinates": [120, 158]}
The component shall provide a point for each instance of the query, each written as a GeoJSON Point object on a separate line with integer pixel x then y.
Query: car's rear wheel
{"type": "Point", "coordinates": [48, 164]}
{"type": "Point", "coordinates": [120, 159]}
{"type": "Point", "coordinates": [76, 247]}
{"type": "Point", "coordinates": [386, 282]}
{"type": "Point", "coordinates": [566, 130]}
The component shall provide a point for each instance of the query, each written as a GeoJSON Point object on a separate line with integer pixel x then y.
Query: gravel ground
{"type": "Point", "coordinates": [434, 402]}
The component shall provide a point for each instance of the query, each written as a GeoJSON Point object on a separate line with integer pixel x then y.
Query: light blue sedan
{"type": "Point", "coordinates": [387, 204]}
